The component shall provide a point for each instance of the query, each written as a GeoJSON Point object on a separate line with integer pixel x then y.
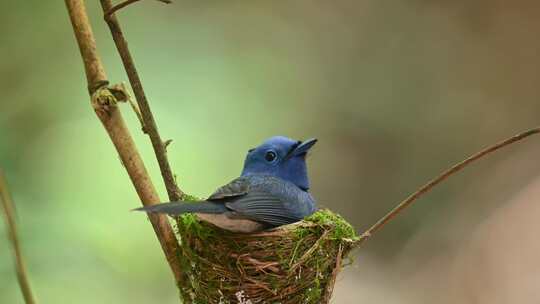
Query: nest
{"type": "Point", "coordinates": [291, 264]}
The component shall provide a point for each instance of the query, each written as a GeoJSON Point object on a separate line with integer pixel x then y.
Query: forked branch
{"type": "Point", "coordinates": [121, 5]}
{"type": "Point", "coordinates": [150, 127]}
{"type": "Point", "coordinates": [108, 113]}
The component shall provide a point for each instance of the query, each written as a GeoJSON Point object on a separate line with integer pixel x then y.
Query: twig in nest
{"type": "Point", "coordinates": [9, 214]}
{"type": "Point", "coordinates": [331, 283]}
{"type": "Point", "coordinates": [450, 171]}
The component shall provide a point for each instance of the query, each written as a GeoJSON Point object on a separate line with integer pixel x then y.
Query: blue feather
{"type": "Point", "coordinates": [271, 191]}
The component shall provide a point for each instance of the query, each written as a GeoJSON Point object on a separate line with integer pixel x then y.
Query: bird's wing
{"type": "Point", "coordinates": [263, 207]}
{"type": "Point", "coordinates": [254, 204]}
{"type": "Point", "coordinates": [238, 187]}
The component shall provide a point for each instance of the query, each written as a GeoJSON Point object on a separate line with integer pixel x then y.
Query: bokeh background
{"type": "Point", "coordinates": [395, 90]}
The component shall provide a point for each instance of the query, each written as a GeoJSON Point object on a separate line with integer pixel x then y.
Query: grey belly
{"type": "Point", "coordinates": [231, 224]}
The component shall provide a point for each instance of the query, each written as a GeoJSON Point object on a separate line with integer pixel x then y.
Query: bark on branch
{"type": "Point", "coordinates": [111, 118]}
{"type": "Point", "coordinates": [150, 126]}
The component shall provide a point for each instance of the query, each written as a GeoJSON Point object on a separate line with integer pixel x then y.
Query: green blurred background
{"type": "Point", "coordinates": [395, 90]}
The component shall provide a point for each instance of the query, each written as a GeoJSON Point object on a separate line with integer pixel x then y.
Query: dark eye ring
{"type": "Point", "coordinates": [270, 156]}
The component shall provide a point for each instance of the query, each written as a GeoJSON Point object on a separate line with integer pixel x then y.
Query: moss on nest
{"type": "Point", "coordinates": [290, 264]}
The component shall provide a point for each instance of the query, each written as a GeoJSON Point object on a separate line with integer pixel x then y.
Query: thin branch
{"type": "Point", "coordinates": [330, 284]}
{"type": "Point", "coordinates": [150, 126]}
{"type": "Point", "coordinates": [9, 214]}
{"type": "Point", "coordinates": [455, 168]}
{"type": "Point", "coordinates": [121, 5]}
{"type": "Point", "coordinates": [108, 113]}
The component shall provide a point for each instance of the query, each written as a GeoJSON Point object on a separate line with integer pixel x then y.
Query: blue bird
{"type": "Point", "coordinates": [273, 190]}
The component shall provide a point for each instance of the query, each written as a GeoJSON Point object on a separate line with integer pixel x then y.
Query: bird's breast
{"type": "Point", "coordinates": [231, 224]}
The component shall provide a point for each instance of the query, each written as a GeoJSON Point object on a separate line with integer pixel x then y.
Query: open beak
{"type": "Point", "coordinates": [304, 147]}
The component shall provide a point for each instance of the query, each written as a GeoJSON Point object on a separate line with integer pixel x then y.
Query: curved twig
{"type": "Point", "coordinates": [121, 5]}
{"type": "Point", "coordinates": [455, 168]}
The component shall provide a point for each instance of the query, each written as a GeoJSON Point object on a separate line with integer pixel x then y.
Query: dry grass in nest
{"type": "Point", "coordinates": [291, 264]}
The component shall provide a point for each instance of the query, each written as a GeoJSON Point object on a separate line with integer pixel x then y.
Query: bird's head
{"type": "Point", "coordinates": [281, 157]}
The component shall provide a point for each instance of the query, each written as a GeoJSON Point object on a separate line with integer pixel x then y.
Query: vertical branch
{"type": "Point", "coordinates": [9, 214]}
{"type": "Point", "coordinates": [115, 126]}
{"type": "Point", "coordinates": [150, 126]}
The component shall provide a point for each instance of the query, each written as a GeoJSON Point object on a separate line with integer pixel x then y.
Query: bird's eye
{"type": "Point", "coordinates": [270, 156]}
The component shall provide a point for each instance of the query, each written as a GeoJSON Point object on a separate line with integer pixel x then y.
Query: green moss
{"type": "Point", "coordinates": [191, 222]}
{"type": "Point", "coordinates": [313, 294]}
{"type": "Point", "coordinates": [287, 265]}
{"type": "Point", "coordinates": [341, 229]}
{"type": "Point", "coordinates": [190, 198]}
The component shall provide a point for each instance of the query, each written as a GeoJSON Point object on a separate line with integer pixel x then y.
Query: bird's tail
{"type": "Point", "coordinates": [176, 208]}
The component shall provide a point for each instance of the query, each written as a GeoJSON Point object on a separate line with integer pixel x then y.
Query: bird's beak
{"type": "Point", "coordinates": [304, 146]}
